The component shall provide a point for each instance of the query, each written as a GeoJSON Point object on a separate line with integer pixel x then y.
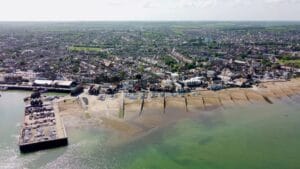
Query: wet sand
{"type": "Point", "coordinates": [133, 118]}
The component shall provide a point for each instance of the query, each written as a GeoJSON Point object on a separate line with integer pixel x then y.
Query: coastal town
{"type": "Point", "coordinates": [149, 84]}
{"type": "Point", "coordinates": [130, 78]}
{"type": "Point", "coordinates": [140, 58]}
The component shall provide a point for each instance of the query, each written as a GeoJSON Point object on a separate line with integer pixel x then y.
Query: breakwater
{"type": "Point", "coordinates": [42, 127]}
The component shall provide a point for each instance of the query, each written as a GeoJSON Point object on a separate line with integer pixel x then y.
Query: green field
{"type": "Point", "coordinates": [85, 49]}
{"type": "Point", "coordinates": [294, 63]}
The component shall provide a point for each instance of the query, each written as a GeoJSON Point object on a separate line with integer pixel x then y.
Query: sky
{"type": "Point", "coordinates": [149, 10]}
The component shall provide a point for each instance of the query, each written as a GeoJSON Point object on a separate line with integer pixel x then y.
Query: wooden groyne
{"type": "Point", "coordinates": [186, 104]}
{"type": "Point", "coordinates": [208, 99]}
{"type": "Point", "coordinates": [165, 103]}
{"type": "Point", "coordinates": [122, 108]}
{"type": "Point", "coordinates": [142, 104]}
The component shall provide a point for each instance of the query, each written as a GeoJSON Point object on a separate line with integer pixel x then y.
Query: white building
{"type": "Point", "coordinates": [54, 83]}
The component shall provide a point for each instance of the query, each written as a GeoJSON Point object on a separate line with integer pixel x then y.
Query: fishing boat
{"type": "Point", "coordinates": [43, 90]}
{"type": "Point", "coordinates": [3, 88]}
{"type": "Point", "coordinates": [40, 90]}
{"type": "Point", "coordinates": [26, 99]}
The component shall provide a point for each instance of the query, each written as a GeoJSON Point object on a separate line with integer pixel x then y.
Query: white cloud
{"type": "Point", "coordinates": [149, 10]}
{"type": "Point", "coordinates": [282, 1]}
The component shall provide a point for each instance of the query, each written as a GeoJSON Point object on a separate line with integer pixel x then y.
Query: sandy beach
{"type": "Point", "coordinates": [133, 118]}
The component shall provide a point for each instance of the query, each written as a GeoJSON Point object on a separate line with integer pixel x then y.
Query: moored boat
{"type": "Point", "coordinates": [3, 88]}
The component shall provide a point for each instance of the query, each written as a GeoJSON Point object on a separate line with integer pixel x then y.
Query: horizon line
{"type": "Point", "coordinates": [149, 21]}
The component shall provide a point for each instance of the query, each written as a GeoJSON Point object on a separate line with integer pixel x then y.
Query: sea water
{"type": "Point", "coordinates": [265, 136]}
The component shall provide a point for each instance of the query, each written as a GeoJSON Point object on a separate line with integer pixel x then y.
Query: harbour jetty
{"type": "Point", "coordinates": [42, 128]}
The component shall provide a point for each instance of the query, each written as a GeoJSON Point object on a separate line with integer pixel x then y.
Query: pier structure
{"type": "Point", "coordinates": [42, 128]}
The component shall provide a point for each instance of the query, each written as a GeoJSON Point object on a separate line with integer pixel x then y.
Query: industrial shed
{"type": "Point", "coordinates": [43, 83]}
{"type": "Point", "coordinates": [55, 83]}
{"type": "Point", "coordinates": [64, 83]}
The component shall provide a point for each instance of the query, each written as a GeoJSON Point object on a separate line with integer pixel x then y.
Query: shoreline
{"type": "Point", "coordinates": [129, 120]}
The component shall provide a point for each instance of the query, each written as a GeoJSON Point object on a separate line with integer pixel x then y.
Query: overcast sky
{"type": "Point", "coordinates": [84, 10]}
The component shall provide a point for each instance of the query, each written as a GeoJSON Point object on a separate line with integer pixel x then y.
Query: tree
{"type": "Point", "coordinates": [266, 62]}
{"type": "Point", "coordinates": [190, 65]}
{"type": "Point", "coordinates": [22, 63]}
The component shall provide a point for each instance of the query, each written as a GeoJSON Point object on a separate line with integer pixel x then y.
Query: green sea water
{"type": "Point", "coordinates": [251, 137]}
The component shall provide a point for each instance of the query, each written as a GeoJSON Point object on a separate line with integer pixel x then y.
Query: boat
{"type": "Point", "coordinates": [43, 90]}
{"type": "Point", "coordinates": [3, 88]}
{"type": "Point", "coordinates": [40, 90]}
{"type": "Point", "coordinates": [26, 99]}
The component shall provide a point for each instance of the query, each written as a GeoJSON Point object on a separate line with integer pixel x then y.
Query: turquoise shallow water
{"type": "Point", "coordinates": [252, 137]}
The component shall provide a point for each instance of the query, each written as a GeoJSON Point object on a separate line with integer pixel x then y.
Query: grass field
{"type": "Point", "coordinates": [85, 49]}
{"type": "Point", "coordinates": [295, 63]}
